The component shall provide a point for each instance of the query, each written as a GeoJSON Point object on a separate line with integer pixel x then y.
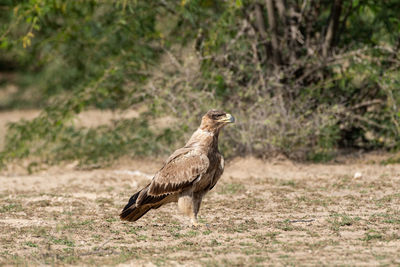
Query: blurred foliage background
{"type": "Point", "coordinates": [307, 79]}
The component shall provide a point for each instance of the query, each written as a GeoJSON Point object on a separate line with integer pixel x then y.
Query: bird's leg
{"type": "Point", "coordinates": [185, 206]}
{"type": "Point", "coordinates": [189, 204]}
{"type": "Point", "coordinates": [196, 207]}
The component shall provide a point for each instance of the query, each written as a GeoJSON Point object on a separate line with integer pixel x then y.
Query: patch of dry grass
{"type": "Point", "coordinates": [279, 214]}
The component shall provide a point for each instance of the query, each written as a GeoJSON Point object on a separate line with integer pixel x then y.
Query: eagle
{"type": "Point", "coordinates": [187, 175]}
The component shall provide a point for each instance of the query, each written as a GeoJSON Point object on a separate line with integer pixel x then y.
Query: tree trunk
{"type": "Point", "coordinates": [260, 25]}
{"type": "Point", "coordinates": [273, 32]}
{"type": "Point", "coordinates": [281, 6]}
{"type": "Point", "coordinates": [260, 22]}
{"type": "Point", "coordinates": [332, 29]}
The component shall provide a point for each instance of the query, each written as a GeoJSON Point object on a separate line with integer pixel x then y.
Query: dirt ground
{"type": "Point", "coordinates": [260, 213]}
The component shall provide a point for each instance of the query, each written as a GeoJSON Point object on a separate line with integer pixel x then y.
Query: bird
{"type": "Point", "coordinates": [187, 175]}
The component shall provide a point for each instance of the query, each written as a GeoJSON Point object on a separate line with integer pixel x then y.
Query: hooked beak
{"type": "Point", "coordinates": [228, 118]}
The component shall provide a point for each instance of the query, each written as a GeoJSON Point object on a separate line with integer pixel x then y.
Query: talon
{"type": "Point", "coordinates": [195, 223]}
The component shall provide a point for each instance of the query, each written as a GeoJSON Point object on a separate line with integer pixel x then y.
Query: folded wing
{"type": "Point", "coordinates": [180, 171]}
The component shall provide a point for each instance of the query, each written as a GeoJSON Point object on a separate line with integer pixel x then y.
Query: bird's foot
{"type": "Point", "coordinates": [200, 226]}
{"type": "Point", "coordinates": [195, 223]}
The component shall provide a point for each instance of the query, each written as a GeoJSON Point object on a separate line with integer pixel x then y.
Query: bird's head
{"type": "Point", "coordinates": [214, 120]}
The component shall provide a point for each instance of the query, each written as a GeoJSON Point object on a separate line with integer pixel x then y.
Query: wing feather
{"type": "Point", "coordinates": [218, 172]}
{"type": "Point", "coordinates": [180, 171]}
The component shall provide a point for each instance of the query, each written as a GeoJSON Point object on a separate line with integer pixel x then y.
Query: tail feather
{"type": "Point", "coordinates": [136, 208]}
{"type": "Point", "coordinates": [134, 214]}
{"type": "Point", "coordinates": [132, 201]}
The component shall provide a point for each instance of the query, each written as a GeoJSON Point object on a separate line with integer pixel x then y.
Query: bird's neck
{"type": "Point", "coordinates": [204, 139]}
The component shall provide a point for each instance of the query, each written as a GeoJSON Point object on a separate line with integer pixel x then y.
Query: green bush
{"type": "Point", "coordinates": [304, 78]}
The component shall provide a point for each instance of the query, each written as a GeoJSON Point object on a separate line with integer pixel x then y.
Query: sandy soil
{"type": "Point", "coordinates": [260, 213]}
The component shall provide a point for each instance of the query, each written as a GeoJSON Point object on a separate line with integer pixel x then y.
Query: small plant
{"type": "Point", "coordinates": [13, 207]}
{"type": "Point", "coordinates": [62, 241]}
{"type": "Point", "coordinates": [338, 220]}
{"type": "Point", "coordinates": [31, 244]}
{"type": "Point", "coordinates": [372, 235]}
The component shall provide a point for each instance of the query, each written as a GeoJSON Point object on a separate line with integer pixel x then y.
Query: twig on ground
{"type": "Point", "coordinates": [301, 220]}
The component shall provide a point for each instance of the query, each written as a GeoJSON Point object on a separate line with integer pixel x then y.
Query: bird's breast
{"type": "Point", "coordinates": [207, 179]}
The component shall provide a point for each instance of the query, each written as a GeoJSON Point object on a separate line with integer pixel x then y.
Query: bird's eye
{"type": "Point", "coordinates": [217, 116]}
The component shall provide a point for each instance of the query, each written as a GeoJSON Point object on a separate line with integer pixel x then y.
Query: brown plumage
{"type": "Point", "coordinates": [187, 175]}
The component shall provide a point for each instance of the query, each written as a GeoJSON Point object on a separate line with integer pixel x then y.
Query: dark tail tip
{"type": "Point", "coordinates": [135, 208]}
{"type": "Point", "coordinates": [134, 213]}
{"type": "Point", "coordinates": [130, 207]}
{"type": "Point", "coordinates": [125, 214]}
